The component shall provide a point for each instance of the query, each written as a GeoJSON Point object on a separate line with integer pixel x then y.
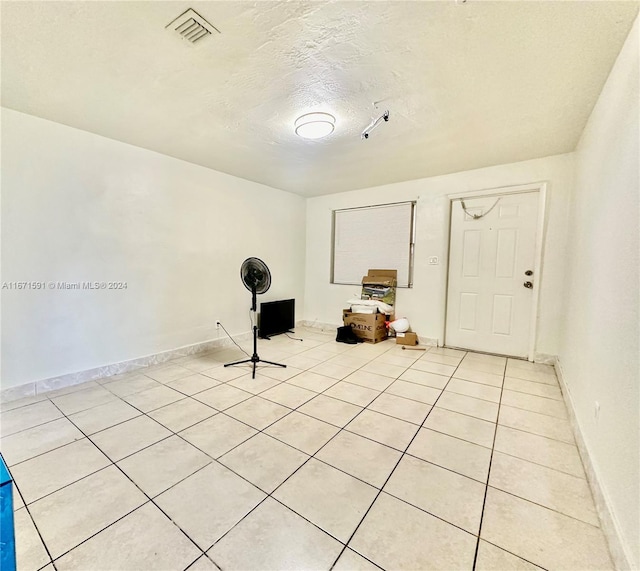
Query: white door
{"type": "Point", "coordinates": [491, 273]}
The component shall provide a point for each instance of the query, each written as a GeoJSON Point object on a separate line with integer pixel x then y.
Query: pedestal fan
{"type": "Point", "coordinates": [256, 277]}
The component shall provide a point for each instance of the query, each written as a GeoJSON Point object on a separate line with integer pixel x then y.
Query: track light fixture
{"type": "Point", "coordinates": [384, 117]}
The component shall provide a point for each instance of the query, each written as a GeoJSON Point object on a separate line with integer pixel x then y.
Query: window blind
{"type": "Point", "coordinates": [378, 237]}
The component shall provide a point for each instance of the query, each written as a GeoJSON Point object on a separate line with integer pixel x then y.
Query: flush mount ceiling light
{"type": "Point", "coordinates": [315, 125]}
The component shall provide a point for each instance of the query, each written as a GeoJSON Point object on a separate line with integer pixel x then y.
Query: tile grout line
{"type": "Point", "coordinates": [553, 378]}
{"type": "Point", "coordinates": [546, 508]}
{"type": "Point", "coordinates": [515, 555]}
{"type": "Point", "coordinates": [486, 488]}
{"type": "Point", "coordinates": [166, 384]}
{"type": "Point", "coordinates": [472, 396]}
{"type": "Point", "coordinates": [149, 498]}
{"type": "Point", "coordinates": [119, 398]}
{"type": "Point", "coordinates": [217, 461]}
{"type": "Point", "coordinates": [270, 495]}
{"type": "Point", "coordinates": [35, 525]}
{"type": "Point", "coordinates": [311, 456]}
{"type": "Point", "coordinates": [64, 415]}
{"type": "Point", "coordinates": [340, 429]}
{"type": "Point", "coordinates": [389, 476]}
{"type": "Point", "coordinates": [534, 395]}
{"type": "Point", "coordinates": [537, 434]}
{"type": "Point", "coordinates": [537, 412]}
{"type": "Point", "coordinates": [421, 426]}
{"type": "Point", "coordinates": [70, 483]}
{"type": "Point", "coordinates": [511, 455]}
{"type": "Point", "coordinates": [101, 382]}
{"type": "Point", "coordinates": [302, 404]}
{"type": "Point", "coordinates": [215, 412]}
{"type": "Point", "coordinates": [218, 411]}
{"type": "Point", "coordinates": [421, 402]}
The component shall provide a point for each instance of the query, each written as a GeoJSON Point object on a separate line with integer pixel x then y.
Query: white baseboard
{"type": "Point", "coordinates": [544, 358]}
{"type": "Point", "coordinates": [321, 326]}
{"type": "Point", "coordinates": [620, 552]}
{"type": "Point", "coordinates": [70, 379]}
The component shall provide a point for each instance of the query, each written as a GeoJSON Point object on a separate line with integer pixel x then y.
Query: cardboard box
{"type": "Point", "coordinates": [369, 327]}
{"type": "Point", "coordinates": [408, 338]}
{"type": "Point", "coordinates": [380, 285]}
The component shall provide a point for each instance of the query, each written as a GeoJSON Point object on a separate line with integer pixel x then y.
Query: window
{"type": "Point", "coordinates": [379, 237]}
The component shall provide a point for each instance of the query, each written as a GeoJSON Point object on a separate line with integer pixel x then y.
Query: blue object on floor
{"type": "Point", "coordinates": [7, 530]}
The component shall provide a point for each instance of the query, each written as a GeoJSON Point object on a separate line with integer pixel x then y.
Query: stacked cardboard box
{"type": "Point", "coordinates": [377, 285]}
{"type": "Point", "coordinates": [380, 285]}
{"type": "Point", "coordinates": [408, 338]}
{"type": "Point", "coordinates": [369, 327]}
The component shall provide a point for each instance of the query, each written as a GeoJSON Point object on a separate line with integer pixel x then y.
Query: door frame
{"type": "Point", "coordinates": [541, 189]}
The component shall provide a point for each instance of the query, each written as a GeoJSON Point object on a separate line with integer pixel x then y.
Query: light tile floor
{"type": "Point", "coordinates": [353, 457]}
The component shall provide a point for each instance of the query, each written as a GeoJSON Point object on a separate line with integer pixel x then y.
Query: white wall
{"type": "Point", "coordinates": [424, 304]}
{"type": "Point", "coordinates": [79, 207]}
{"type": "Point", "coordinates": [600, 342]}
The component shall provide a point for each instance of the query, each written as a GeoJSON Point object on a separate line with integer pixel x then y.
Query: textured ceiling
{"type": "Point", "coordinates": [467, 84]}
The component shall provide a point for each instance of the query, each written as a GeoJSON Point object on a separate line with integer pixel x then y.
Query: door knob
{"type": "Point", "coordinates": [528, 285]}
{"type": "Point", "coordinates": [528, 273]}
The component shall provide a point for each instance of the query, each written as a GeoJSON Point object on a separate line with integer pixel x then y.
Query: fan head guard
{"type": "Point", "coordinates": [255, 275]}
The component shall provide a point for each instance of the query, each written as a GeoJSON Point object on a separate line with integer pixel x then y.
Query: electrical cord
{"type": "Point", "coordinates": [478, 216]}
{"type": "Point", "coordinates": [294, 338]}
{"type": "Point", "coordinates": [232, 339]}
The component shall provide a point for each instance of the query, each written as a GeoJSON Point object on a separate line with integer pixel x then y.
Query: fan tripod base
{"type": "Point", "coordinates": [254, 358]}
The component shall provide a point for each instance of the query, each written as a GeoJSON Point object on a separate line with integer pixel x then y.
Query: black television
{"type": "Point", "coordinates": [277, 317]}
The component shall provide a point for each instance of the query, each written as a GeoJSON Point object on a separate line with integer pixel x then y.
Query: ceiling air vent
{"type": "Point", "coordinates": [191, 26]}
